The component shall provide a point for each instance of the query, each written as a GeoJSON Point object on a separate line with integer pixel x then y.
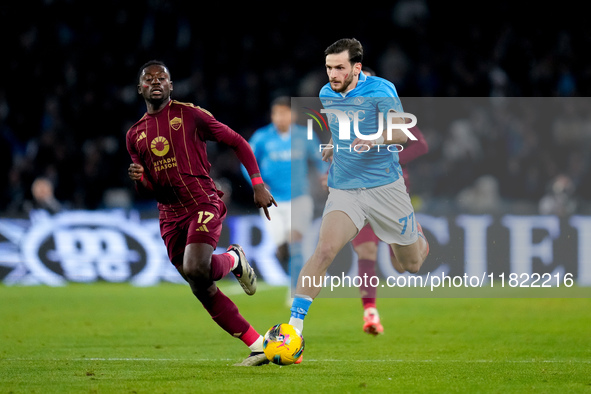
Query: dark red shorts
{"type": "Point", "coordinates": [204, 225]}
{"type": "Point", "coordinates": [365, 235]}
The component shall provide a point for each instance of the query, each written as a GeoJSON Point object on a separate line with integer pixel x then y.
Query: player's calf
{"type": "Point", "coordinates": [413, 266]}
{"type": "Point", "coordinates": [408, 257]}
{"type": "Point", "coordinates": [395, 263]}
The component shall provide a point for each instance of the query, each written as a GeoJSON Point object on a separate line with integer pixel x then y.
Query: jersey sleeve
{"type": "Point", "coordinates": [387, 98]}
{"type": "Point", "coordinates": [413, 149]}
{"type": "Point", "coordinates": [145, 187]}
{"type": "Point", "coordinates": [257, 146]}
{"type": "Point", "coordinates": [219, 132]}
{"type": "Point", "coordinates": [130, 142]}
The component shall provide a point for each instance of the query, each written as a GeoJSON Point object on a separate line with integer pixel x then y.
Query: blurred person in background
{"type": "Point", "coordinates": [286, 158]}
{"type": "Point", "coordinates": [43, 197]}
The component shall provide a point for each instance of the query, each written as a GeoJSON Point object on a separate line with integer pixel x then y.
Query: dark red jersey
{"type": "Point", "coordinates": [171, 146]}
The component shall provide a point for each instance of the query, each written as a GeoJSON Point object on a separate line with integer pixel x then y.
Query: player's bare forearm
{"type": "Point", "coordinates": [368, 144]}
{"type": "Point", "coordinates": [393, 136]}
{"type": "Point", "coordinates": [328, 151]}
{"type": "Point", "coordinates": [397, 136]}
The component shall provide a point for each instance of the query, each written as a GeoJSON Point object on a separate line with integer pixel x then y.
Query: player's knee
{"type": "Point", "coordinates": [197, 269]}
{"type": "Point", "coordinates": [326, 252]}
{"type": "Point", "coordinates": [295, 236]}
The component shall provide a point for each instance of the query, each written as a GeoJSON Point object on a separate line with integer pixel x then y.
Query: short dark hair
{"type": "Point", "coordinates": [284, 101]}
{"type": "Point", "coordinates": [151, 63]}
{"type": "Point", "coordinates": [347, 44]}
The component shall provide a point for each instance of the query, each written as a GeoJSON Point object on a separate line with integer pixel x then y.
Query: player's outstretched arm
{"type": "Point", "coordinates": [224, 134]}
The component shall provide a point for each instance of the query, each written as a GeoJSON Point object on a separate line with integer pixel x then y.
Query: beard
{"type": "Point", "coordinates": [345, 85]}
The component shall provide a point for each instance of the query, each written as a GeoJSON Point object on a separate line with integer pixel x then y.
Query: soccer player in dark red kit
{"type": "Point", "coordinates": [169, 162]}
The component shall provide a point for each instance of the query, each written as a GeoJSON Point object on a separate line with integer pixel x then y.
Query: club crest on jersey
{"type": "Point", "coordinates": [159, 146]}
{"type": "Point", "coordinates": [175, 123]}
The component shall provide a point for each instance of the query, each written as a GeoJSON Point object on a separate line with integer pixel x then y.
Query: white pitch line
{"type": "Point", "coordinates": [307, 360]}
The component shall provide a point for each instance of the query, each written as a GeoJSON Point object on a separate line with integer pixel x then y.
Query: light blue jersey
{"type": "Point", "coordinates": [376, 167]}
{"type": "Point", "coordinates": [283, 160]}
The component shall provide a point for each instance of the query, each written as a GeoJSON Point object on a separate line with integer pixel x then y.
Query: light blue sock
{"type": "Point", "coordinates": [299, 310]}
{"type": "Point", "coordinates": [300, 306]}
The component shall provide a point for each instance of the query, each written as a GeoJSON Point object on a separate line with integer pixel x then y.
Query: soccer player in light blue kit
{"type": "Point", "coordinates": [284, 156]}
{"type": "Point", "coordinates": [365, 179]}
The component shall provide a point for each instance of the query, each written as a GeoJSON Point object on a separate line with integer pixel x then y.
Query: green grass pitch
{"type": "Point", "coordinates": [115, 338]}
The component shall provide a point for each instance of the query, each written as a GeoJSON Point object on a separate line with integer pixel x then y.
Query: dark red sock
{"type": "Point", "coordinates": [221, 265]}
{"type": "Point", "coordinates": [367, 269]}
{"type": "Point", "coordinates": [225, 313]}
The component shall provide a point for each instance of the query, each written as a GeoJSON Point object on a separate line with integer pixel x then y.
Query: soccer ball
{"type": "Point", "coordinates": [283, 344]}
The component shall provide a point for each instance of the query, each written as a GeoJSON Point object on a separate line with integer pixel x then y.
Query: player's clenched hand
{"type": "Point", "coordinates": [263, 198]}
{"type": "Point", "coordinates": [135, 172]}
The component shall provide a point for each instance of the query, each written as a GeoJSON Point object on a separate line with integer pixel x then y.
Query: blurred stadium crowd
{"type": "Point", "coordinates": [68, 94]}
